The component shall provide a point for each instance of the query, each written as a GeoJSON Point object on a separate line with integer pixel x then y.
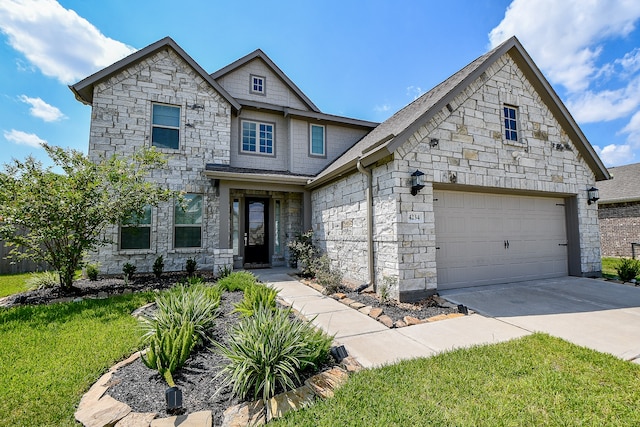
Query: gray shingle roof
{"type": "Point", "coordinates": [624, 185]}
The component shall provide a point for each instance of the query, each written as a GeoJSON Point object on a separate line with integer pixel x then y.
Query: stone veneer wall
{"type": "Point", "coordinates": [619, 227]}
{"type": "Point", "coordinates": [121, 123]}
{"type": "Point", "coordinates": [471, 154]}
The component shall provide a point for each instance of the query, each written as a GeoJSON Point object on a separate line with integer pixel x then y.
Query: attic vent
{"type": "Point", "coordinates": [450, 108]}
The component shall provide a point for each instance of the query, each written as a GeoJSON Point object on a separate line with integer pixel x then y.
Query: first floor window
{"type": "Point", "coordinates": [510, 123]}
{"type": "Point", "coordinates": [188, 222]}
{"type": "Point", "coordinates": [165, 132]}
{"type": "Point", "coordinates": [317, 140]}
{"type": "Point", "coordinates": [257, 137]}
{"type": "Point", "coordinates": [135, 233]}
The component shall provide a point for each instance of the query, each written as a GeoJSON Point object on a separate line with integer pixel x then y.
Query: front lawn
{"type": "Point", "coordinates": [536, 380]}
{"type": "Point", "coordinates": [609, 265]}
{"type": "Point", "coordinates": [13, 283]}
{"type": "Point", "coordinates": [51, 354]}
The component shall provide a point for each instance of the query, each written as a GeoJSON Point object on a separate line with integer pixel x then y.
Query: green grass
{"type": "Point", "coordinates": [50, 355]}
{"type": "Point", "coordinates": [534, 381]}
{"type": "Point", "coordinates": [13, 283]}
{"type": "Point", "coordinates": [609, 265]}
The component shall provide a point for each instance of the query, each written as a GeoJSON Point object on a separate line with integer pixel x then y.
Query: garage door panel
{"type": "Point", "coordinates": [472, 229]}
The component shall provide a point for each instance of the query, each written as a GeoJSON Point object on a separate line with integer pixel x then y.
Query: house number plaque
{"type": "Point", "coordinates": [415, 217]}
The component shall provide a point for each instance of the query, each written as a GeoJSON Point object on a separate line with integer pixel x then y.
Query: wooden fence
{"type": "Point", "coordinates": [11, 266]}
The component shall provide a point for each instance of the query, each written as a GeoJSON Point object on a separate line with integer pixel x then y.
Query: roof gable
{"type": "Point", "coordinates": [83, 90]}
{"type": "Point", "coordinates": [396, 130]}
{"type": "Point", "coordinates": [258, 54]}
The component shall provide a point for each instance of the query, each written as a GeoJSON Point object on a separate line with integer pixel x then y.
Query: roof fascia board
{"type": "Point", "coordinates": [257, 177]}
{"type": "Point", "coordinates": [84, 88]}
{"type": "Point", "coordinates": [258, 53]}
{"type": "Point", "coordinates": [342, 170]}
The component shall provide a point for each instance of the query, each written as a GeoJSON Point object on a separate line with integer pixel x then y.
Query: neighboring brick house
{"type": "Point", "coordinates": [501, 172]}
{"type": "Point", "coordinates": [619, 211]}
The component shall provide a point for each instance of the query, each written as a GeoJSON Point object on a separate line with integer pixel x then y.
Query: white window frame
{"type": "Point", "coordinates": [324, 140]}
{"type": "Point", "coordinates": [262, 83]}
{"type": "Point", "coordinates": [257, 144]}
{"type": "Point", "coordinates": [508, 130]}
{"type": "Point", "coordinates": [161, 126]}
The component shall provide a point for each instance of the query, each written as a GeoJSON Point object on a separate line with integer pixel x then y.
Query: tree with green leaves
{"type": "Point", "coordinates": [57, 217]}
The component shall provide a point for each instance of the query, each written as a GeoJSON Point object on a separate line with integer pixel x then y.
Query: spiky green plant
{"type": "Point", "coordinates": [267, 352]}
{"type": "Point", "coordinates": [237, 281]}
{"type": "Point", "coordinates": [628, 269]}
{"type": "Point", "coordinates": [43, 280]}
{"type": "Point", "coordinates": [169, 349]}
{"type": "Point", "coordinates": [255, 297]}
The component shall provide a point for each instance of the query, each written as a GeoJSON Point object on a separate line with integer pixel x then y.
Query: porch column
{"type": "Point", "coordinates": [225, 223]}
{"type": "Point", "coordinates": [306, 211]}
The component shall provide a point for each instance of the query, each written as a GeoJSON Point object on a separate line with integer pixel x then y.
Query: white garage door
{"type": "Point", "coordinates": [485, 239]}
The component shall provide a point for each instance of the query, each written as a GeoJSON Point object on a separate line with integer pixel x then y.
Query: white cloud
{"type": "Point", "coordinates": [382, 108]}
{"type": "Point", "coordinates": [56, 40]}
{"type": "Point", "coordinates": [615, 155]}
{"type": "Point", "coordinates": [633, 130]}
{"type": "Point", "coordinates": [605, 105]}
{"type": "Point", "coordinates": [415, 91]}
{"type": "Point", "coordinates": [23, 138]}
{"type": "Point", "coordinates": [565, 37]}
{"type": "Point", "coordinates": [42, 110]}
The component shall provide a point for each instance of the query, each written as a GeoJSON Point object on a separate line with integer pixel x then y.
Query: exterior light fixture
{"type": "Point", "coordinates": [592, 195]}
{"type": "Point", "coordinates": [433, 142]}
{"type": "Point", "coordinates": [417, 182]}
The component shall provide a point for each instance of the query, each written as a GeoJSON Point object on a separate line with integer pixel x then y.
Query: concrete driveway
{"type": "Point", "coordinates": [600, 315]}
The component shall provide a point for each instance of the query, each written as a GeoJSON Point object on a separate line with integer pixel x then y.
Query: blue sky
{"type": "Point", "coordinates": [361, 59]}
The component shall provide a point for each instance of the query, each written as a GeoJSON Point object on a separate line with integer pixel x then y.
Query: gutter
{"type": "Point", "coordinates": [369, 197]}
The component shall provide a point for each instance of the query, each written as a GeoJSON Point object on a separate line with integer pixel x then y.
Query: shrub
{"type": "Point", "coordinates": [169, 349]}
{"type": "Point", "coordinates": [158, 266]}
{"type": "Point", "coordinates": [628, 269]}
{"type": "Point", "coordinates": [268, 350]}
{"type": "Point", "coordinates": [44, 280]}
{"type": "Point", "coordinates": [128, 269]}
{"type": "Point", "coordinates": [255, 298]}
{"type": "Point", "coordinates": [237, 281]}
{"type": "Point", "coordinates": [326, 276]}
{"type": "Point", "coordinates": [224, 271]}
{"type": "Point", "coordinates": [92, 272]}
{"type": "Point", "coordinates": [191, 265]}
{"type": "Point", "coordinates": [196, 304]}
{"type": "Point", "coordinates": [303, 252]}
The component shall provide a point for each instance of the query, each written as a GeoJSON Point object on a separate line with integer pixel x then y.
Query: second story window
{"type": "Point", "coordinates": [165, 131]}
{"type": "Point", "coordinates": [510, 123]}
{"type": "Point", "coordinates": [257, 138]}
{"type": "Point", "coordinates": [257, 85]}
{"type": "Point", "coordinates": [316, 140]}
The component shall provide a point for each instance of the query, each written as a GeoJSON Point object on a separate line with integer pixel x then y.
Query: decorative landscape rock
{"type": "Point", "coordinates": [386, 320]}
{"type": "Point", "coordinates": [136, 419]}
{"type": "Point", "coordinates": [375, 312]}
{"type": "Point", "coordinates": [105, 412]}
{"type": "Point", "coordinates": [293, 400]}
{"type": "Point", "coordinates": [245, 414]}
{"type": "Point", "coordinates": [410, 320]}
{"type": "Point", "coordinates": [365, 310]}
{"type": "Point", "coordinates": [324, 384]}
{"type": "Point", "coordinates": [196, 419]}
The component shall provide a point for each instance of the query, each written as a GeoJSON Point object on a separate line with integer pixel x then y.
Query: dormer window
{"type": "Point", "coordinates": [257, 85]}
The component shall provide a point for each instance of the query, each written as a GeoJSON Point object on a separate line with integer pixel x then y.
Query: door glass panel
{"type": "Point", "coordinates": [256, 223]}
{"type": "Point", "coordinates": [235, 224]}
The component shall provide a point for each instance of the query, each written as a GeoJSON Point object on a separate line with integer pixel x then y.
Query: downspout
{"type": "Point", "coordinates": [369, 198]}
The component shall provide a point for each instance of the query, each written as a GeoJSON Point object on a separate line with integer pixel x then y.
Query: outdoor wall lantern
{"type": "Point", "coordinates": [592, 195]}
{"type": "Point", "coordinates": [417, 182]}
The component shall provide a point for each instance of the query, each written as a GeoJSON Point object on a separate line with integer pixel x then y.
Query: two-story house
{"type": "Point", "coordinates": [481, 180]}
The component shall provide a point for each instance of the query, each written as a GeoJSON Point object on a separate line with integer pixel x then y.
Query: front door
{"type": "Point", "coordinates": [256, 237]}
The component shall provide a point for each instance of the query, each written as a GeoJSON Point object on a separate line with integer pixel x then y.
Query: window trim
{"type": "Point", "coordinates": [148, 225]}
{"type": "Point", "coordinates": [511, 120]}
{"type": "Point", "coordinates": [263, 91]}
{"type": "Point", "coordinates": [178, 128]}
{"type": "Point", "coordinates": [324, 141]}
{"type": "Point", "coordinates": [257, 152]}
{"type": "Point", "coordinates": [177, 225]}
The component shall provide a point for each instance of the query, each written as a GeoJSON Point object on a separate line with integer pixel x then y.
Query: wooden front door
{"type": "Point", "coordinates": [256, 237]}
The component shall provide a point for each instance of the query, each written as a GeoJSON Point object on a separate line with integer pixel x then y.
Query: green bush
{"type": "Point", "coordinates": [628, 269]}
{"type": "Point", "coordinates": [224, 271]}
{"type": "Point", "coordinates": [326, 276]}
{"type": "Point", "coordinates": [44, 280]}
{"type": "Point", "coordinates": [92, 271]}
{"type": "Point", "coordinates": [169, 349]}
{"type": "Point", "coordinates": [268, 350]}
{"type": "Point", "coordinates": [191, 266]}
{"type": "Point", "coordinates": [128, 269]}
{"type": "Point", "coordinates": [197, 305]}
{"type": "Point", "coordinates": [256, 297]}
{"type": "Point", "coordinates": [158, 266]}
{"type": "Point", "coordinates": [303, 253]}
{"type": "Point", "coordinates": [237, 281]}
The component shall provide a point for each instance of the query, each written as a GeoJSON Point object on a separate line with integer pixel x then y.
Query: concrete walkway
{"type": "Point", "coordinates": [370, 341]}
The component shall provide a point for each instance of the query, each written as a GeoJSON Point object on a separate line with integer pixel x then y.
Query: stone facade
{"type": "Point", "coordinates": [471, 155]}
{"type": "Point", "coordinates": [619, 228]}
